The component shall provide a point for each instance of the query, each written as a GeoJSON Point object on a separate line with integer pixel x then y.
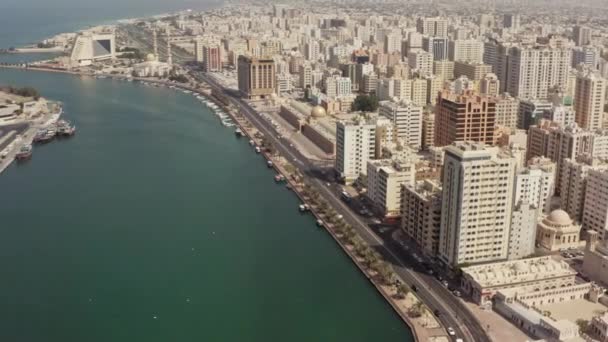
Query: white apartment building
{"type": "Point", "coordinates": [589, 99]}
{"type": "Point", "coordinates": [407, 119]}
{"type": "Point", "coordinates": [595, 213]}
{"type": "Point", "coordinates": [420, 61]}
{"type": "Point", "coordinates": [507, 111]}
{"type": "Point", "coordinates": [444, 69]}
{"type": "Point", "coordinates": [522, 235]}
{"type": "Point", "coordinates": [476, 205]}
{"type": "Point", "coordinates": [536, 185]}
{"type": "Point", "coordinates": [355, 145]}
{"type": "Point", "coordinates": [489, 85]}
{"type": "Point", "coordinates": [337, 86]}
{"type": "Point", "coordinates": [466, 50]}
{"type": "Point", "coordinates": [574, 182]}
{"type": "Point", "coordinates": [532, 71]}
{"type": "Point", "coordinates": [434, 27]}
{"type": "Point", "coordinates": [392, 43]}
{"type": "Point", "coordinates": [284, 84]}
{"type": "Point", "coordinates": [384, 180]}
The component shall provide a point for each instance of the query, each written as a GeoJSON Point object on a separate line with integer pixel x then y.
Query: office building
{"type": "Point", "coordinates": [466, 117]}
{"type": "Point", "coordinates": [438, 46]}
{"type": "Point", "coordinates": [476, 204]}
{"type": "Point", "coordinates": [581, 35]}
{"type": "Point", "coordinates": [256, 77]}
{"type": "Point", "coordinates": [511, 21]}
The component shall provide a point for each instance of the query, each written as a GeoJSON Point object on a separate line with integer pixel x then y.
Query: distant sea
{"type": "Point", "coordinates": [25, 22]}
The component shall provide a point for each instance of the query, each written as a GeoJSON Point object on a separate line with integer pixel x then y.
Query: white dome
{"type": "Point", "coordinates": [150, 57]}
{"type": "Point", "coordinates": [559, 217]}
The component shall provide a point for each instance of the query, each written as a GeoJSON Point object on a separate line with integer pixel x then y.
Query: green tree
{"type": "Point", "coordinates": [583, 325]}
{"type": "Point", "coordinates": [402, 290]}
{"type": "Point", "coordinates": [365, 103]}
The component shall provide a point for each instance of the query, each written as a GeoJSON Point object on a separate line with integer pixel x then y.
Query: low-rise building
{"type": "Point", "coordinates": [384, 180]}
{"type": "Point", "coordinates": [557, 232]}
{"type": "Point", "coordinates": [483, 282]}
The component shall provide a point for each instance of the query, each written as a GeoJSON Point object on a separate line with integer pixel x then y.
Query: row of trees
{"type": "Point", "coordinates": [24, 91]}
{"type": "Point", "coordinates": [347, 234]}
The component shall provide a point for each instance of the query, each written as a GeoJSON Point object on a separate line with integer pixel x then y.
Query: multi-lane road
{"type": "Point", "coordinates": [452, 312]}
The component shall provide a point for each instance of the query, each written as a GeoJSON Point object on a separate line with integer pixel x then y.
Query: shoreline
{"type": "Point", "coordinates": [416, 330]}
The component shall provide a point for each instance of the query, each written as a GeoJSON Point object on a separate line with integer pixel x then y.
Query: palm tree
{"type": "Point", "coordinates": [402, 290]}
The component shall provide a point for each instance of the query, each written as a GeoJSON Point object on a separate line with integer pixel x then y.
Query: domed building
{"type": "Point", "coordinates": [318, 112]}
{"type": "Point", "coordinates": [557, 231]}
{"type": "Point", "coordinates": [151, 67]}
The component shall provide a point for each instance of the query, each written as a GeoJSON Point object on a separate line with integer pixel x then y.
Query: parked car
{"type": "Point", "coordinates": [457, 293]}
{"type": "Point", "coordinates": [451, 331]}
{"type": "Point", "coordinates": [445, 283]}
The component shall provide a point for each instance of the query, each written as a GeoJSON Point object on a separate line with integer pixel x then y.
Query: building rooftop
{"type": "Point", "coordinates": [518, 271]}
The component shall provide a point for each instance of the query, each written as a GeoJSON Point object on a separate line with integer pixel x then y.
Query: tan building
{"type": "Point", "coordinates": [595, 261]}
{"type": "Point", "coordinates": [421, 214]}
{"type": "Point", "coordinates": [595, 212]}
{"type": "Point", "coordinates": [589, 100]}
{"type": "Point", "coordinates": [557, 232]}
{"type": "Point", "coordinates": [256, 77]}
{"type": "Point", "coordinates": [489, 85]}
{"type": "Point", "coordinates": [574, 182]}
{"type": "Point", "coordinates": [507, 110]}
{"type": "Point", "coordinates": [473, 71]}
{"type": "Point", "coordinates": [428, 130]}
{"type": "Point", "coordinates": [483, 282]}
{"type": "Point", "coordinates": [384, 180]}
{"type": "Point", "coordinates": [444, 69]}
{"type": "Point", "coordinates": [466, 117]}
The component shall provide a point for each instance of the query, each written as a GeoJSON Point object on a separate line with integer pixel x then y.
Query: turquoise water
{"type": "Point", "coordinates": [155, 223]}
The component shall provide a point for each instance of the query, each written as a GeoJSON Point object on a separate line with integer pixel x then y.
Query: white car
{"type": "Point", "coordinates": [451, 331]}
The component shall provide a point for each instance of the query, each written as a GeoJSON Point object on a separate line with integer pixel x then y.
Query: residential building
{"type": "Point", "coordinates": [507, 111]}
{"type": "Point", "coordinates": [466, 50]}
{"type": "Point", "coordinates": [443, 69]}
{"type": "Point", "coordinates": [474, 72]}
{"type": "Point", "coordinates": [428, 130]}
{"type": "Point", "coordinates": [589, 99]}
{"type": "Point", "coordinates": [407, 119]}
{"type": "Point", "coordinates": [421, 61]}
{"type": "Point", "coordinates": [573, 183]}
{"type": "Point", "coordinates": [385, 177]}
{"type": "Point", "coordinates": [489, 84]}
{"type": "Point", "coordinates": [536, 185]}
{"type": "Point", "coordinates": [522, 234]}
{"type": "Point", "coordinates": [476, 204]}
{"type": "Point", "coordinates": [595, 212]}
{"type": "Point", "coordinates": [355, 145]}
{"type": "Point", "coordinates": [434, 27]}
{"type": "Point", "coordinates": [581, 35]}
{"type": "Point", "coordinates": [421, 214]}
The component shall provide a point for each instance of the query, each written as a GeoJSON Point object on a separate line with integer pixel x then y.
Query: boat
{"type": "Point", "coordinates": [269, 163]}
{"type": "Point", "coordinates": [25, 152]}
{"type": "Point", "coordinates": [238, 132]}
{"type": "Point", "coordinates": [257, 150]}
{"type": "Point", "coordinates": [44, 135]}
{"type": "Point", "coordinates": [251, 142]}
{"type": "Point", "coordinates": [304, 207]}
{"type": "Point", "coordinates": [319, 223]}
